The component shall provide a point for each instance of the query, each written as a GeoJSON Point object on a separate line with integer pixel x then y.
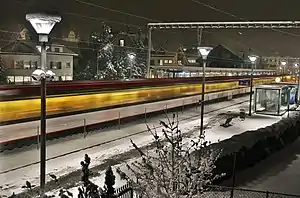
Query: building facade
{"type": "Point", "coordinates": [22, 57]}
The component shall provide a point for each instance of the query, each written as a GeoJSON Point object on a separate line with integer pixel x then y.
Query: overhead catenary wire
{"type": "Point", "coordinates": [121, 23]}
{"type": "Point", "coordinates": [237, 17]}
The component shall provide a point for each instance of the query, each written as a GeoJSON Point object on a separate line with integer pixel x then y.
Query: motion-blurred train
{"type": "Point", "coordinates": [23, 102]}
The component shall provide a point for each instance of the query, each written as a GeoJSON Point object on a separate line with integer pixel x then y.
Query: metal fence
{"type": "Point", "coordinates": [126, 191]}
{"type": "Point", "coordinates": [228, 192]}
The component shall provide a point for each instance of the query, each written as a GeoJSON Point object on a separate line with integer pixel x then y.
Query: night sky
{"type": "Point", "coordinates": [262, 42]}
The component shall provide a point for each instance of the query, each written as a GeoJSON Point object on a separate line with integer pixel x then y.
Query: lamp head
{"type": "Point", "coordinates": [38, 74]}
{"type": "Point", "coordinates": [296, 64]}
{"type": "Point", "coordinates": [42, 23]}
{"type": "Point", "coordinates": [50, 74]}
{"type": "Point", "coordinates": [283, 63]}
{"type": "Point", "coordinates": [252, 58]}
{"type": "Point", "coordinates": [204, 51]}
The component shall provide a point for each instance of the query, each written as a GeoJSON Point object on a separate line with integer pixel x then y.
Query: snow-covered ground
{"type": "Point", "coordinates": [215, 133]}
{"type": "Point", "coordinates": [13, 180]}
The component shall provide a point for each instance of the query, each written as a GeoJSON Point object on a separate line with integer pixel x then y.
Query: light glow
{"type": "Point", "coordinates": [131, 56]}
{"type": "Point", "coordinates": [283, 63]}
{"type": "Point", "coordinates": [277, 80]}
{"type": "Point", "coordinates": [204, 51]}
{"type": "Point", "coordinates": [252, 58]}
{"type": "Point", "coordinates": [42, 23]}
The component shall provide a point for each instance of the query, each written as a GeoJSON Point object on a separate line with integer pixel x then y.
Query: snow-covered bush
{"type": "Point", "coordinates": [251, 147]}
{"type": "Point", "coordinates": [174, 169]}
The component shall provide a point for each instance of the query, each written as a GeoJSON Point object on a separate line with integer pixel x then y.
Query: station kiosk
{"type": "Point", "coordinates": [275, 99]}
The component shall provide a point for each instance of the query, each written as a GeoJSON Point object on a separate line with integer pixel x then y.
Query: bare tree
{"type": "Point", "coordinates": [174, 169]}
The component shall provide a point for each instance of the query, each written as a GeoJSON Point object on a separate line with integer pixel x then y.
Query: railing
{"type": "Point", "coordinates": [228, 192]}
{"type": "Point", "coordinates": [126, 191]}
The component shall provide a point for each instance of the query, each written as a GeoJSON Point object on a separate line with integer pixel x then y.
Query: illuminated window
{"type": "Point", "coordinates": [160, 62]}
{"type": "Point", "coordinates": [179, 62]}
{"type": "Point", "coordinates": [10, 79]}
{"type": "Point", "coordinates": [27, 79]}
{"type": "Point", "coordinates": [170, 61]}
{"type": "Point", "coordinates": [26, 64]}
{"type": "Point", "coordinates": [122, 43]}
{"type": "Point", "coordinates": [18, 79]}
{"type": "Point", "coordinates": [69, 78]}
{"type": "Point", "coordinates": [165, 61]}
{"type": "Point", "coordinates": [191, 60]}
{"type": "Point", "coordinates": [68, 65]}
{"type": "Point", "coordinates": [55, 65]}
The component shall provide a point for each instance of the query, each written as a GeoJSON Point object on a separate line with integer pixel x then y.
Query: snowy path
{"type": "Point", "coordinates": [11, 181]}
{"type": "Point", "coordinates": [278, 173]}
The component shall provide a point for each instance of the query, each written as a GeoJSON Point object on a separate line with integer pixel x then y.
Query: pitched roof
{"type": "Point", "coordinates": [20, 47]}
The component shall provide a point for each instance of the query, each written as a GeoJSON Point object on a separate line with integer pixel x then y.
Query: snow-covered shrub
{"type": "Point", "coordinates": [174, 169]}
{"type": "Point", "coordinates": [253, 146]}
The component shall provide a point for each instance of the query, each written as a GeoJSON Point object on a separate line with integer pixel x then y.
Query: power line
{"type": "Point", "coordinates": [117, 22]}
{"type": "Point", "coordinates": [237, 17]}
{"type": "Point", "coordinates": [117, 11]}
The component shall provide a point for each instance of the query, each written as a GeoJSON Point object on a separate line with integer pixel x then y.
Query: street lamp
{"type": "Point", "coordinates": [283, 64]}
{"type": "Point", "coordinates": [253, 59]}
{"type": "Point", "coordinates": [43, 24]}
{"type": "Point", "coordinates": [204, 51]}
{"type": "Point", "coordinates": [131, 57]}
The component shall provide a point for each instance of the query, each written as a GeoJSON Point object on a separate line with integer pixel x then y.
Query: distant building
{"type": "Point", "coordinates": [187, 62]}
{"type": "Point", "coordinates": [274, 62]}
{"type": "Point", "coordinates": [22, 57]}
{"type": "Point", "coordinates": [223, 57]}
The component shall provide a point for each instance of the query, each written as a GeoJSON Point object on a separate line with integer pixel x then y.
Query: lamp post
{"type": "Point", "coordinates": [43, 24]}
{"type": "Point", "coordinates": [131, 57]}
{"type": "Point", "coordinates": [204, 51]}
{"type": "Point", "coordinates": [253, 59]}
{"type": "Point", "coordinates": [283, 64]}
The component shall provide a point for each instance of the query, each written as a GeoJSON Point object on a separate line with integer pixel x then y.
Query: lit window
{"type": "Point", "coordinates": [160, 62]}
{"type": "Point", "coordinates": [18, 78]}
{"type": "Point", "coordinates": [10, 79]}
{"type": "Point", "coordinates": [27, 79]}
{"type": "Point", "coordinates": [55, 65]}
{"type": "Point", "coordinates": [170, 61]}
{"type": "Point", "coordinates": [26, 64]}
{"type": "Point", "coordinates": [68, 65]}
{"type": "Point", "coordinates": [165, 61]}
{"type": "Point", "coordinates": [191, 60]}
{"type": "Point", "coordinates": [179, 62]}
{"type": "Point", "coordinates": [122, 43]}
{"type": "Point", "coordinates": [69, 78]}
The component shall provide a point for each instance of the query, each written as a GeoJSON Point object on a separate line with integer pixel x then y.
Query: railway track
{"type": "Point", "coordinates": [115, 139]}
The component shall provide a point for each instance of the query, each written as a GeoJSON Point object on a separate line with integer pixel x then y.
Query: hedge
{"type": "Point", "coordinates": [253, 146]}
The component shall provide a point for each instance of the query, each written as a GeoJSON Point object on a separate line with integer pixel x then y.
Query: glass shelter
{"type": "Point", "coordinates": [275, 99]}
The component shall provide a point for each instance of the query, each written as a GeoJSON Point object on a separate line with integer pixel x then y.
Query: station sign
{"type": "Point", "coordinates": [244, 82]}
